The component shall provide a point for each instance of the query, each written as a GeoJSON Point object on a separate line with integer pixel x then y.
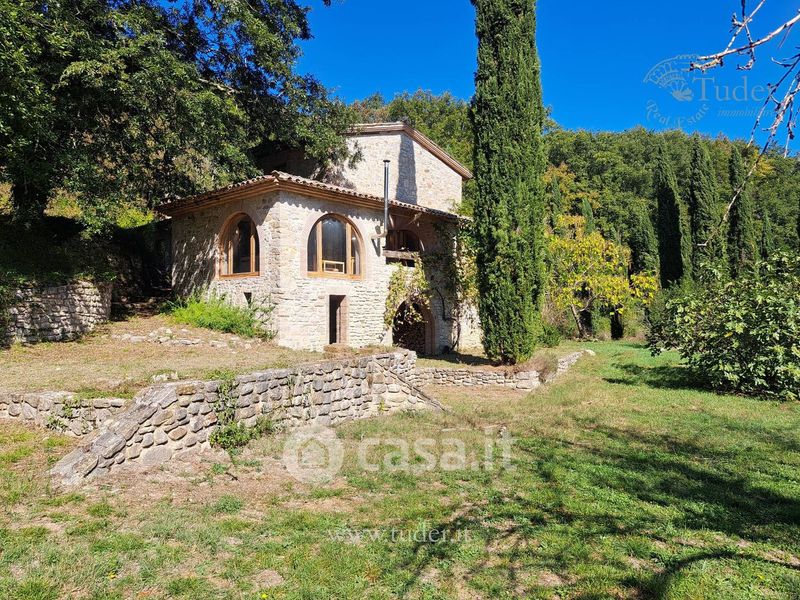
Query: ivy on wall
{"type": "Point", "coordinates": [409, 285]}
{"type": "Point", "coordinates": [446, 271]}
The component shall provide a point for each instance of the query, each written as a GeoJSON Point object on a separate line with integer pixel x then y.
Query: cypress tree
{"type": "Point", "coordinates": [673, 238]}
{"type": "Point", "coordinates": [798, 222]}
{"type": "Point", "coordinates": [509, 164]}
{"type": "Point", "coordinates": [767, 245]}
{"type": "Point", "coordinates": [742, 246]}
{"type": "Point", "coordinates": [702, 206]}
{"type": "Point", "coordinates": [642, 242]}
{"type": "Point", "coordinates": [588, 215]}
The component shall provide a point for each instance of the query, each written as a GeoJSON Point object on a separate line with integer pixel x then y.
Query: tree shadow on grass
{"type": "Point", "coordinates": [708, 485]}
{"type": "Point", "coordinates": [660, 582]}
{"type": "Point", "coordinates": [670, 377]}
{"type": "Point", "coordinates": [677, 494]}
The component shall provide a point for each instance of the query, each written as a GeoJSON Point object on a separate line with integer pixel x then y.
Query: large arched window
{"type": "Point", "coordinates": [334, 248]}
{"type": "Point", "coordinates": [239, 248]}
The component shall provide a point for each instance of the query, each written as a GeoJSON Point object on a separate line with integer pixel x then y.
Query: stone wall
{"type": "Point", "coordinates": [62, 411]}
{"type": "Point", "coordinates": [522, 380]}
{"type": "Point", "coordinates": [415, 175]}
{"type": "Point", "coordinates": [301, 301]}
{"type": "Point", "coordinates": [56, 313]}
{"type": "Point", "coordinates": [171, 418]}
{"type": "Point", "coordinates": [526, 380]}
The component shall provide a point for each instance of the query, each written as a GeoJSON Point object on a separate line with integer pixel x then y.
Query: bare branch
{"type": "Point", "coordinates": [785, 112]}
{"type": "Point", "coordinates": [714, 60]}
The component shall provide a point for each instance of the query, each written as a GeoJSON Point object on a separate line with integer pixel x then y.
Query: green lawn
{"type": "Point", "coordinates": [626, 482]}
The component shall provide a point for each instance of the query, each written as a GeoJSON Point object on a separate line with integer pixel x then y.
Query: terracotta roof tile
{"type": "Point", "coordinates": [278, 180]}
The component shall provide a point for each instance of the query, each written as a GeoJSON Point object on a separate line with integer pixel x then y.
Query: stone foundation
{"type": "Point", "coordinates": [56, 313]}
{"type": "Point", "coordinates": [170, 418]}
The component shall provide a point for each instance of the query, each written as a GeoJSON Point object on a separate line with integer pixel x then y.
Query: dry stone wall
{"type": "Point", "coordinates": [167, 419]}
{"type": "Point", "coordinates": [523, 380]}
{"type": "Point", "coordinates": [527, 380]}
{"type": "Point", "coordinates": [62, 411]}
{"type": "Point", "coordinates": [56, 313]}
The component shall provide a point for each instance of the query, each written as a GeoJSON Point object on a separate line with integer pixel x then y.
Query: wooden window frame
{"type": "Point", "coordinates": [226, 249]}
{"type": "Point", "coordinates": [350, 229]}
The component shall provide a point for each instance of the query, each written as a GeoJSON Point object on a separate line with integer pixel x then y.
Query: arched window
{"type": "Point", "coordinates": [402, 246]}
{"type": "Point", "coordinates": [334, 248]}
{"type": "Point", "coordinates": [239, 249]}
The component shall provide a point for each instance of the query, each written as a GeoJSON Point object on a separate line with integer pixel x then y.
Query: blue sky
{"type": "Point", "coordinates": [595, 57]}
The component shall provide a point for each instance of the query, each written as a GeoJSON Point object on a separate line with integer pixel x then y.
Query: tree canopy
{"type": "Point", "coordinates": [590, 272]}
{"type": "Point", "coordinates": [134, 101]}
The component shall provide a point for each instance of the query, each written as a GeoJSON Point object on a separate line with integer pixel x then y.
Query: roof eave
{"type": "Point", "coordinates": [274, 183]}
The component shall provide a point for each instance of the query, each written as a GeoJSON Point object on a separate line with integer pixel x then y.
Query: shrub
{"type": "Point", "coordinates": [231, 436]}
{"type": "Point", "coordinates": [741, 335]}
{"type": "Point", "coordinates": [215, 312]}
{"type": "Point", "coordinates": [550, 335]}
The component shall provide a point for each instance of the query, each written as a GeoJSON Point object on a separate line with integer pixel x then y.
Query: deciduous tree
{"type": "Point", "coordinates": [138, 100]}
{"type": "Point", "coordinates": [590, 272]}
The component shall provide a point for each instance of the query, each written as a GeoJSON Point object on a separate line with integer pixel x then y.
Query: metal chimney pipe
{"type": "Point", "coordinates": [386, 197]}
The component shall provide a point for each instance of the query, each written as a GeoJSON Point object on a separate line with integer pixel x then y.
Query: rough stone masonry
{"type": "Point", "coordinates": [56, 313]}
{"type": "Point", "coordinates": [167, 419]}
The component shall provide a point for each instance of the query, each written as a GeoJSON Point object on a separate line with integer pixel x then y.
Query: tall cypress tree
{"type": "Point", "coordinates": [742, 246]}
{"type": "Point", "coordinates": [702, 206]}
{"type": "Point", "coordinates": [673, 238]}
{"type": "Point", "coordinates": [767, 244]}
{"type": "Point", "coordinates": [588, 215]}
{"type": "Point", "coordinates": [798, 222]}
{"type": "Point", "coordinates": [642, 242]}
{"type": "Point", "coordinates": [509, 164]}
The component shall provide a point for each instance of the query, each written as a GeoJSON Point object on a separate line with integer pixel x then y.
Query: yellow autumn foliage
{"type": "Point", "coordinates": [588, 270]}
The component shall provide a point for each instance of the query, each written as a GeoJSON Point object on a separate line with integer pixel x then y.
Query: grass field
{"type": "Point", "coordinates": [625, 482]}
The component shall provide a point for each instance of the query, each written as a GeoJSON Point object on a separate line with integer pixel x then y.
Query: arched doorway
{"type": "Point", "coordinates": [412, 328]}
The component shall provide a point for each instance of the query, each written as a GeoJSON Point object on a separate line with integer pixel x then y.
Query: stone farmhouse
{"type": "Point", "coordinates": [320, 248]}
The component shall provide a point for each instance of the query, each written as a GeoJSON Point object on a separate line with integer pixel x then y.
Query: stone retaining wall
{"type": "Point", "coordinates": [62, 411]}
{"type": "Point", "coordinates": [528, 380]}
{"type": "Point", "coordinates": [170, 418]}
{"type": "Point", "coordinates": [523, 380]}
{"type": "Point", "coordinates": [56, 313]}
